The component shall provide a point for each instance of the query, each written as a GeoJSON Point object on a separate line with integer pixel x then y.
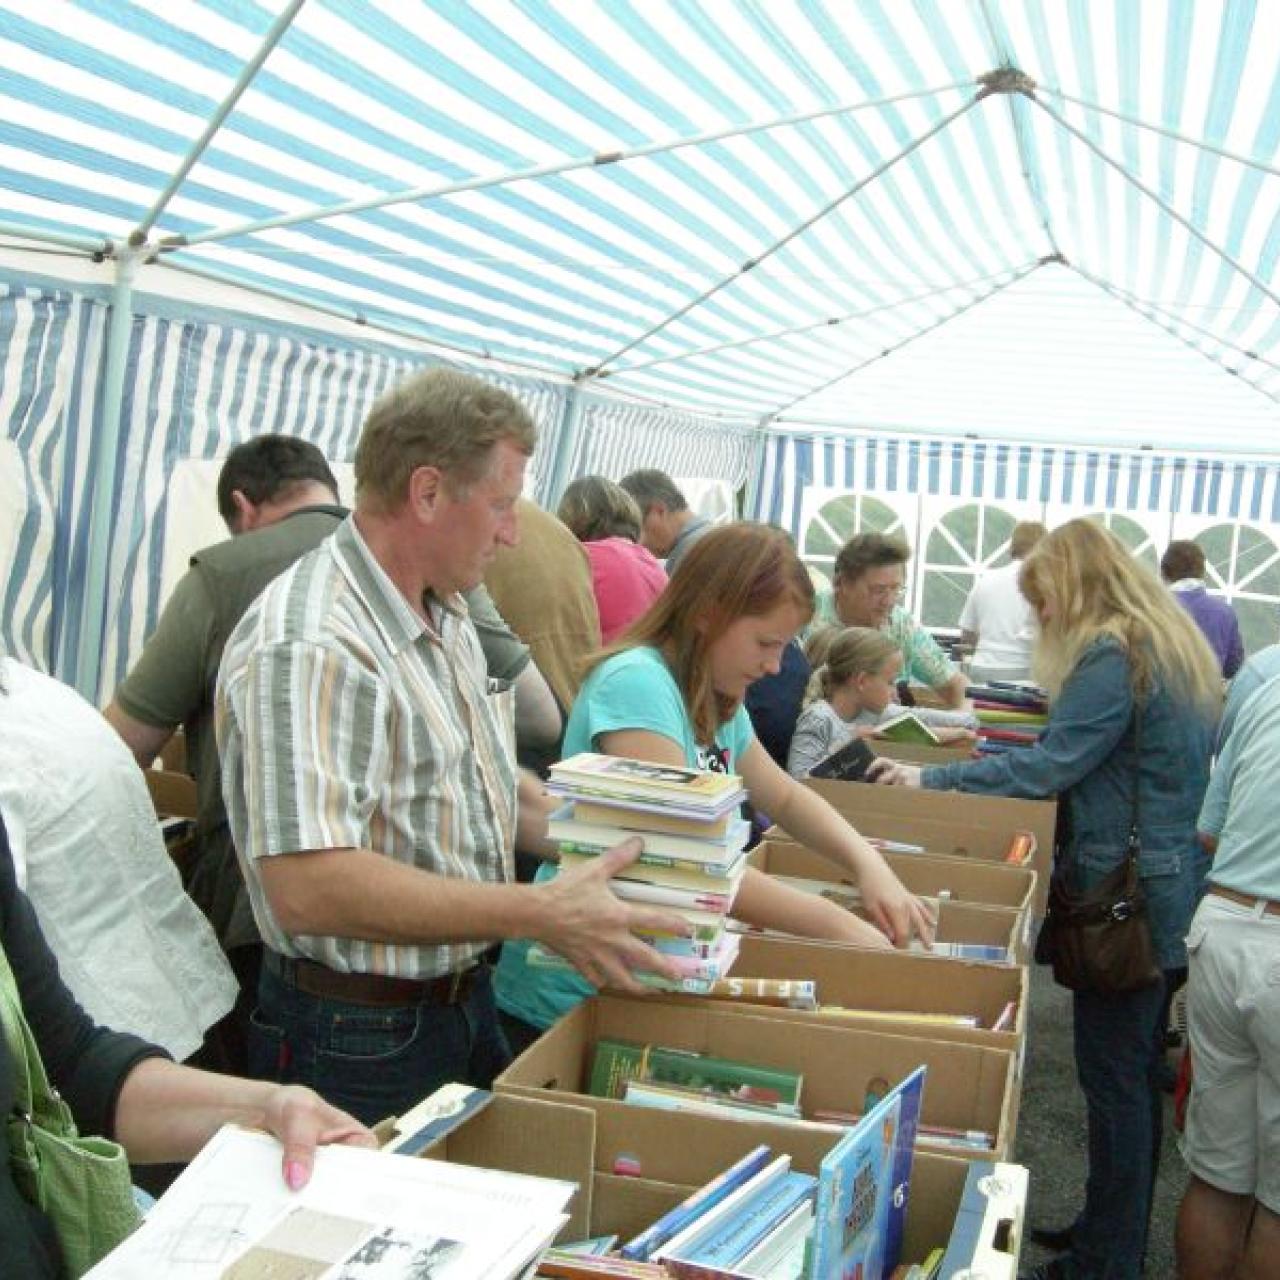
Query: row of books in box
{"type": "Point", "coordinates": [775, 1069]}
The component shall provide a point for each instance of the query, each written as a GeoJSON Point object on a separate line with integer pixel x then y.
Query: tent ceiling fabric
{"type": "Point", "coordinates": [892, 208]}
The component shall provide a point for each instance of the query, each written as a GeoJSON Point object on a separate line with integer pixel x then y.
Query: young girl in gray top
{"type": "Point", "coordinates": [852, 693]}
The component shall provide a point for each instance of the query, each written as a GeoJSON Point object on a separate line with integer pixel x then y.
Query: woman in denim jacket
{"type": "Point", "coordinates": [1114, 646]}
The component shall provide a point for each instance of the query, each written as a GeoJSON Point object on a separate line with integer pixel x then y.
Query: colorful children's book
{"type": "Point", "coordinates": [863, 1186]}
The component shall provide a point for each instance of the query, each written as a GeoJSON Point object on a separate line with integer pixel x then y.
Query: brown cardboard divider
{"type": "Point", "coordinates": [963, 917]}
{"type": "Point", "coordinates": [968, 1087]}
{"type": "Point", "coordinates": [986, 884]}
{"type": "Point", "coordinates": [947, 822]}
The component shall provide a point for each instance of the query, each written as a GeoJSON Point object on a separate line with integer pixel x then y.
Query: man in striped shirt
{"type": "Point", "coordinates": [370, 779]}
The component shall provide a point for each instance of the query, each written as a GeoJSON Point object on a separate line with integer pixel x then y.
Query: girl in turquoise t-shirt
{"type": "Point", "coordinates": [671, 691]}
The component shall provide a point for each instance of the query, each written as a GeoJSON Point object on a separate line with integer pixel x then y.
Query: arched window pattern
{"type": "Point", "coordinates": [1134, 536]}
{"type": "Point", "coordinates": [962, 544]}
{"type": "Point", "coordinates": [836, 522]}
{"type": "Point", "coordinates": [1243, 564]}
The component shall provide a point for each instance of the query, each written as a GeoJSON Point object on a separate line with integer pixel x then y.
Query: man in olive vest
{"type": "Point", "coordinates": [279, 500]}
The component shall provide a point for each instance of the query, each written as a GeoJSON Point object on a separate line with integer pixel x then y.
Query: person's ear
{"type": "Point", "coordinates": [426, 490]}
{"type": "Point", "coordinates": [246, 513]}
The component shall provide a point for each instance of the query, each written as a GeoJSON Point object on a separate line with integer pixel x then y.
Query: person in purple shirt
{"type": "Point", "coordinates": [1182, 567]}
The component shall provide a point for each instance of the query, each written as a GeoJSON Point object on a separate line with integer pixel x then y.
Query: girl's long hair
{"type": "Point", "coordinates": [735, 571]}
{"type": "Point", "coordinates": [1093, 587]}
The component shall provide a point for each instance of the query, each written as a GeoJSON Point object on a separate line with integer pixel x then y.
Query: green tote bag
{"type": "Point", "coordinates": [81, 1184]}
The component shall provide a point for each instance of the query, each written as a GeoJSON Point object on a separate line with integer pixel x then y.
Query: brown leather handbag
{"type": "Point", "coordinates": [1099, 939]}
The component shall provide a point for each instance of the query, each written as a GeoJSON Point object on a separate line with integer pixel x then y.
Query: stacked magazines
{"type": "Point", "coordinates": [694, 852]}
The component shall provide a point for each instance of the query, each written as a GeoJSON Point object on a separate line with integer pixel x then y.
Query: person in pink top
{"type": "Point", "coordinates": [604, 517]}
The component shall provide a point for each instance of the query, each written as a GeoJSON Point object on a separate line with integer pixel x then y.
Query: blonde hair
{"type": "Point", "coordinates": [1094, 587]}
{"type": "Point", "coordinates": [439, 418]}
{"type": "Point", "coordinates": [842, 653]}
{"type": "Point", "coordinates": [741, 570]}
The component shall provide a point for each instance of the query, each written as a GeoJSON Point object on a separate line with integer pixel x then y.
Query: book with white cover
{"type": "Point", "coordinates": [230, 1216]}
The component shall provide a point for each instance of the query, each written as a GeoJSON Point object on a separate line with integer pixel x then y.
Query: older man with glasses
{"type": "Point", "coordinates": [869, 581]}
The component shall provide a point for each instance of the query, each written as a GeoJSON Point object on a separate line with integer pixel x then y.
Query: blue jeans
{"type": "Point", "coordinates": [374, 1062]}
{"type": "Point", "coordinates": [1116, 1051]}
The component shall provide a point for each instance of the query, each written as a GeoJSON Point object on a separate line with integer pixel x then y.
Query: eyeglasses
{"type": "Point", "coordinates": [887, 592]}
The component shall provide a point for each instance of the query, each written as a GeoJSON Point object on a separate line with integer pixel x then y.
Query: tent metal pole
{"type": "Point", "coordinates": [566, 441]}
{"type": "Point", "coordinates": [1170, 324]}
{"type": "Point", "coordinates": [63, 239]}
{"type": "Point", "coordinates": [897, 346]}
{"type": "Point", "coordinates": [1188, 226]}
{"type": "Point", "coordinates": [879, 171]}
{"type": "Point", "coordinates": [1172, 134]}
{"type": "Point", "coordinates": [102, 487]}
{"type": "Point", "coordinates": [353, 316]}
{"type": "Point", "coordinates": [829, 322]}
{"type": "Point", "coordinates": [197, 149]}
{"type": "Point", "coordinates": [596, 160]}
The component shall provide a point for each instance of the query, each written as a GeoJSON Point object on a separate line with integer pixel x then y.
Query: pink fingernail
{"type": "Point", "coordinates": [294, 1174]}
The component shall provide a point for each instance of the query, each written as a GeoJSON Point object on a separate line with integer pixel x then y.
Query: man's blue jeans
{"type": "Point", "coordinates": [374, 1062]}
{"type": "Point", "coordinates": [1116, 1051]}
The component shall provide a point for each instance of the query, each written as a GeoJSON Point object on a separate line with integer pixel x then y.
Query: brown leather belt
{"type": "Point", "coordinates": [374, 988]}
{"type": "Point", "coordinates": [1245, 899]}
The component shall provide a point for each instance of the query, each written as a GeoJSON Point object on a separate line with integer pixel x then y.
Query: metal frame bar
{"type": "Point", "coordinates": [356, 317]}
{"type": "Point", "coordinates": [596, 160]}
{"type": "Point", "coordinates": [806, 328]}
{"type": "Point", "coordinates": [62, 239]}
{"type": "Point", "coordinates": [775, 414]}
{"type": "Point", "coordinates": [1185, 223]}
{"type": "Point", "coordinates": [598, 369]}
{"type": "Point", "coordinates": [243, 81]}
{"type": "Point", "coordinates": [1172, 134]}
{"type": "Point", "coordinates": [101, 495]}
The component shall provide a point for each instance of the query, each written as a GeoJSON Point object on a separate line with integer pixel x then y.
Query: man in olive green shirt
{"type": "Point", "coordinates": [279, 500]}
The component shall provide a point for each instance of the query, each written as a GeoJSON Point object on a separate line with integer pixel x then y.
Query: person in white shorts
{"type": "Point", "coordinates": [1229, 1221]}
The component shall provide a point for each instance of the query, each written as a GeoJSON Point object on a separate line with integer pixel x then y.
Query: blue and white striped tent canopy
{"type": "Point", "coordinates": [980, 249]}
{"type": "Point", "coordinates": [781, 212]}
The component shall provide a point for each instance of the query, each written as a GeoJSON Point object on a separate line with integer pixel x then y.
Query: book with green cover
{"type": "Point", "coordinates": [617, 1061]}
{"type": "Point", "coordinates": [907, 727]}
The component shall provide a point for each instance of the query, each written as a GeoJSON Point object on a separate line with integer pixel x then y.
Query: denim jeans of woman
{"type": "Point", "coordinates": [1116, 1052]}
{"type": "Point", "coordinates": [374, 1062]}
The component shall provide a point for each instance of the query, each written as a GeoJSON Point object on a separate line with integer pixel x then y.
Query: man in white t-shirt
{"type": "Point", "coordinates": [997, 623]}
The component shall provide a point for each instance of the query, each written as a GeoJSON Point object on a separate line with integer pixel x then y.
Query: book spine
{"type": "Point", "coordinates": [678, 1067]}
{"type": "Point", "coordinates": [794, 993]}
{"type": "Point", "coordinates": [738, 1235]}
{"type": "Point", "coordinates": [683, 1215]}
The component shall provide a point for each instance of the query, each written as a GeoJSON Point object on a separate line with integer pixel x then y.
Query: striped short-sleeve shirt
{"type": "Point", "coordinates": [346, 721]}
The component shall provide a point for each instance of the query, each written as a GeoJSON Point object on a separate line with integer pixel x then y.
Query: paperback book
{"type": "Point", "coordinates": [907, 727]}
{"type": "Point", "coordinates": [697, 790]}
{"type": "Point", "coordinates": [863, 1187]}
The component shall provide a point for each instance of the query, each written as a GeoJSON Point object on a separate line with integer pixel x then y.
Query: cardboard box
{"type": "Point", "coordinates": [973, 911]}
{"type": "Point", "coordinates": [897, 981]}
{"type": "Point", "coordinates": [984, 884]}
{"type": "Point", "coordinates": [675, 1154]}
{"type": "Point", "coordinates": [970, 1086]}
{"type": "Point", "coordinates": [947, 822]}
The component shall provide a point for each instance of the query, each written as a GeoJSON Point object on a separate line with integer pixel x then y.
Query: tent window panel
{"type": "Point", "coordinates": [1135, 536]}
{"type": "Point", "coordinates": [962, 543]}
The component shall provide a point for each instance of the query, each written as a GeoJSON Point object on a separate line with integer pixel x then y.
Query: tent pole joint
{"type": "Point", "coordinates": [1006, 80]}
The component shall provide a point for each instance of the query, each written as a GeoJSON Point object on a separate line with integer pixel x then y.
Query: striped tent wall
{"type": "Point", "coordinates": [1094, 479]}
{"type": "Point", "coordinates": [615, 437]}
{"type": "Point", "coordinates": [194, 388]}
{"type": "Point", "coordinates": [50, 342]}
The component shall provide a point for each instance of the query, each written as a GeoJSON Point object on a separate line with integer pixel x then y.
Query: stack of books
{"type": "Point", "coordinates": [694, 852]}
{"type": "Point", "coordinates": [1011, 717]}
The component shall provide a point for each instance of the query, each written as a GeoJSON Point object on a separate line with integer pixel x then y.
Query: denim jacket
{"type": "Point", "coordinates": [1087, 756]}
